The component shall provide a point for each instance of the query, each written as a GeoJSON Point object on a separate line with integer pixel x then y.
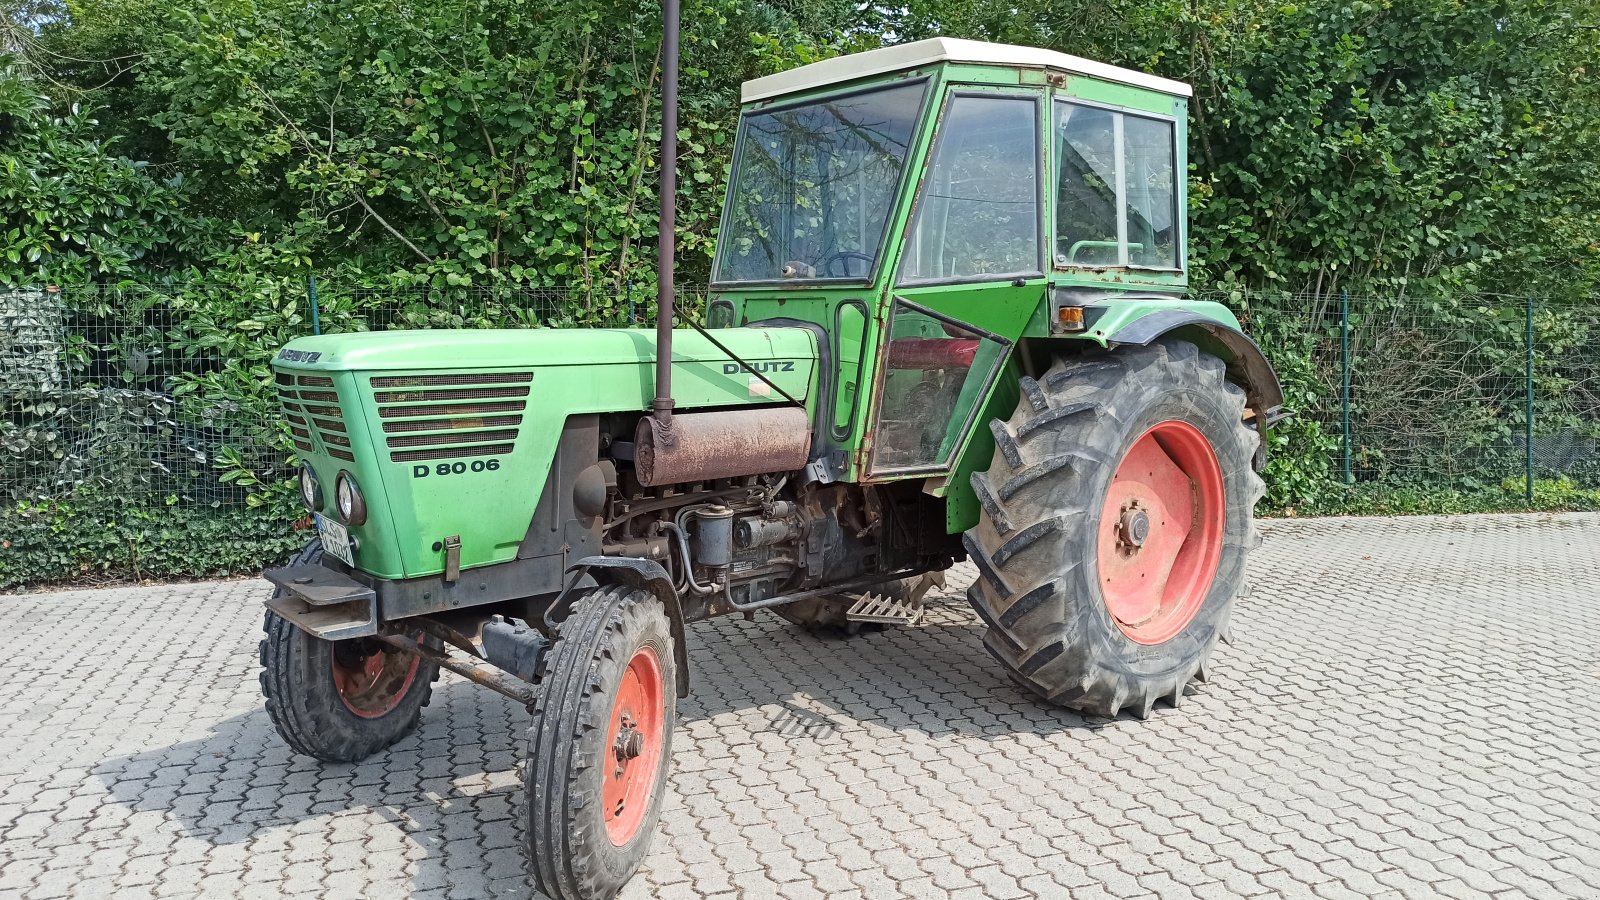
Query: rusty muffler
{"type": "Point", "coordinates": [724, 444]}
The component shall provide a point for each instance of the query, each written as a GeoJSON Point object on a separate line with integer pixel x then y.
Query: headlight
{"type": "Point", "coordinates": [310, 488]}
{"type": "Point", "coordinates": [352, 507]}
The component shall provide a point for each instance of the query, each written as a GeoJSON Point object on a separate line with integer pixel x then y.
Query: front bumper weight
{"type": "Point", "coordinates": [323, 603]}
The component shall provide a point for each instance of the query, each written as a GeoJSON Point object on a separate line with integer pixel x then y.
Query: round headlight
{"type": "Point", "coordinates": [310, 488]}
{"type": "Point", "coordinates": [352, 507]}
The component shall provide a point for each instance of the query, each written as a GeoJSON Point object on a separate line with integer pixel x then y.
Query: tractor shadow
{"type": "Point", "coordinates": [933, 678]}
{"type": "Point", "coordinates": [443, 807]}
{"type": "Point", "coordinates": [441, 810]}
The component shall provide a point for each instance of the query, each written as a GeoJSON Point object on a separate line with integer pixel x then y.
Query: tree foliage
{"type": "Point", "coordinates": [1416, 149]}
{"type": "Point", "coordinates": [1378, 144]}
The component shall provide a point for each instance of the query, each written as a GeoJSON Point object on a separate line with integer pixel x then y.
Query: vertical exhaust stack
{"type": "Point", "coordinates": [702, 445]}
{"type": "Point", "coordinates": [661, 407]}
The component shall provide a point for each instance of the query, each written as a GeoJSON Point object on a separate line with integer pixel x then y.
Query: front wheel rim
{"type": "Point", "coordinates": [1160, 532]}
{"type": "Point", "coordinates": [372, 679]}
{"type": "Point", "coordinates": [633, 747]}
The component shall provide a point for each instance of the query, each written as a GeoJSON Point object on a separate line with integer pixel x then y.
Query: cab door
{"type": "Point", "coordinates": [971, 274]}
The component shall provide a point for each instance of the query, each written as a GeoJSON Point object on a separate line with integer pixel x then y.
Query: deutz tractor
{"type": "Point", "coordinates": [947, 322]}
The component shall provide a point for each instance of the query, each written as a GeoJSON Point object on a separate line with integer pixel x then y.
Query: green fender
{"type": "Point", "coordinates": [1210, 326]}
{"type": "Point", "coordinates": [1246, 363]}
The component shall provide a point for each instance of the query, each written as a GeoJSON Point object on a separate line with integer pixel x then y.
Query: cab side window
{"type": "Point", "coordinates": [1147, 158]}
{"type": "Point", "coordinates": [1086, 186]}
{"type": "Point", "coordinates": [1116, 193]}
{"type": "Point", "coordinates": [979, 210]}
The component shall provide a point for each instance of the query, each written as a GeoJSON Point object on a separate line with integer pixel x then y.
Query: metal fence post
{"type": "Point", "coordinates": [311, 293]}
{"type": "Point", "coordinates": [1527, 425]}
{"type": "Point", "coordinates": [1344, 365]}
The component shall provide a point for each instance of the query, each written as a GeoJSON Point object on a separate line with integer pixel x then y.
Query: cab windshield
{"type": "Point", "coordinates": [813, 186]}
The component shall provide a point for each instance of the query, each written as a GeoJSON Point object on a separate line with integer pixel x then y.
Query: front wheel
{"type": "Point", "coordinates": [600, 743]}
{"type": "Point", "coordinates": [1117, 514]}
{"type": "Point", "coordinates": [339, 701]}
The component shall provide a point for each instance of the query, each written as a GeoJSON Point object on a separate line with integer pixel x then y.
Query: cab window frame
{"type": "Point", "coordinates": [1124, 259]}
{"type": "Point", "coordinates": [1043, 237]}
{"type": "Point", "coordinates": [926, 105]}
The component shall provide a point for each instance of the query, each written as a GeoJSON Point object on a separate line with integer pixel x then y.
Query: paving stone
{"type": "Point", "coordinates": [1409, 710]}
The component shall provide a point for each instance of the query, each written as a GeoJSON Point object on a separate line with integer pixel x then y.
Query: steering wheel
{"type": "Point", "coordinates": [831, 258]}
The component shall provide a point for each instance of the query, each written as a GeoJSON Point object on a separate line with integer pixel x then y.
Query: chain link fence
{"type": "Point", "coordinates": [160, 395]}
{"type": "Point", "coordinates": [1476, 392]}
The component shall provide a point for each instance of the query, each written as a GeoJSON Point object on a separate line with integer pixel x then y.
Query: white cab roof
{"type": "Point", "coordinates": [935, 50]}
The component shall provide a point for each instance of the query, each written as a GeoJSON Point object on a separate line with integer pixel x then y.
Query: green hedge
{"type": "Point", "coordinates": [95, 539]}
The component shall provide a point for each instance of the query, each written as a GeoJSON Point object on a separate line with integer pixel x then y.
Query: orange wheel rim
{"type": "Point", "coordinates": [372, 684]}
{"type": "Point", "coordinates": [1160, 532]}
{"type": "Point", "coordinates": [633, 747]}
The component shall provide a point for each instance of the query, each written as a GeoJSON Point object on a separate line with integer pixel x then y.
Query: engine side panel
{"type": "Point", "coordinates": [453, 433]}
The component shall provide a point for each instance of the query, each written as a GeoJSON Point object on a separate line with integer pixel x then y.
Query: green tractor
{"type": "Point", "coordinates": [947, 322]}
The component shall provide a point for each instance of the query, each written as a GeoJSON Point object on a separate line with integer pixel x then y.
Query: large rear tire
{"type": "Point", "coordinates": [339, 701]}
{"type": "Point", "coordinates": [600, 744]}
{"type": "Point", "coordinates": [1117, 514]}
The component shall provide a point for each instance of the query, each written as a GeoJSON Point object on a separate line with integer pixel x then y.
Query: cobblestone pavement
{"type": "Point", "coordinates": [1412, 709]}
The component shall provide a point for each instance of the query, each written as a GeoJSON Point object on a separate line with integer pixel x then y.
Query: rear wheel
{"type": "Point", "coordinates": [1117, 514]}
{"type": "Point", "coordinates": [600, 743]}
{"type": "Point", "coordinates": [339, 701]}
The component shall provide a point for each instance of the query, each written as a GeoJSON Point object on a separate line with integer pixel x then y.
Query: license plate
{"type": "Point", "coordinates": [335, 540]}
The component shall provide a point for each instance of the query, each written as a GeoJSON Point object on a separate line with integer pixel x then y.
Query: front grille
{"type": "Point", "coordinates": [425, 417]}
{"type": "Point", "coordinates": [453, 437]}
{"type": "Point", "coordinates": [454, 415]}
{"type": "Point", "coordinates": [306, 419]}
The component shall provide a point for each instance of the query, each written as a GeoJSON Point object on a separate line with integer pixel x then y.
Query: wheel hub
{"type": "Point", "coordinates": [1161, 532]}
{"type": "Point", "coordinates": [630, 741]}
{"type": "Point", "coordinates": [1133, 528]}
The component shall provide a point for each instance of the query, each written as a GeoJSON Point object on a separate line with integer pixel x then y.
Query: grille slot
{"type": "Point", "coordinates": [450, 452]}
{"type": "Point", "coordinates": [452, 438]}
{"type": "Point", "coordinates": [453, 424]}
{"type": "Point", "coordinates": [481, 393]}
{"type": "Point", "coordinates": [438, 380]}
{"type": "Point", "coordinates": [456, 409]}
{"type": "Point", "coordinates": [451, 415]}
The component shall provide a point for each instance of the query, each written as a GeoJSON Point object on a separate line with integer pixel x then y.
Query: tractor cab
{"type": "Point", "coordinates": [932, 205]}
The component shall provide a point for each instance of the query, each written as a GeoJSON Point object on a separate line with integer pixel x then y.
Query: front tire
{"type": "Point", "coordinates": [1117, 514]}
{"type": "Point", "coordinates": [339, 701]}
{"type": "Point", "coordinates": [600, 744]}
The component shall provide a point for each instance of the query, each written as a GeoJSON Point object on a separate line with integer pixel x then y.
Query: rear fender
{"type": "Point", "coordinates": [1247, 365]}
